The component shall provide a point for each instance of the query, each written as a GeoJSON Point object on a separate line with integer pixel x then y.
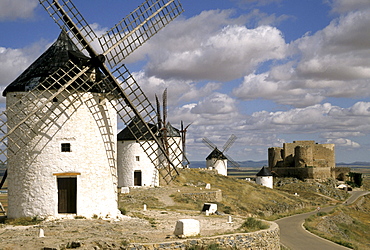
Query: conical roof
{"type": "Point", "coordinates": [216, 154]}
{"type": "Point", "coordinates": [264, 172]}
{"type": "Point", "coordinates": [128, 133]}
{"type": "Point", "coordinates": [54, 58]}
{"type": "Point", "coordinates": [172, 131]}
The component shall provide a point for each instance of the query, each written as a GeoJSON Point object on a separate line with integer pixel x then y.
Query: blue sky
{"type": "Point", "coordinates": [268, 71]}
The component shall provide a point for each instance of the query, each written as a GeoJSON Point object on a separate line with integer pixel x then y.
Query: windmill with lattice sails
{"type": "Point", "coordinates": [217, 159]}
{"type": "Point", "coordinates": [59, 129]}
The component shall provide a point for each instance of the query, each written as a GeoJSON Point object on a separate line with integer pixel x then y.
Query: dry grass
{"type": "Point", "coordinates": [239, 197]}
{"type": "Point", "coordinates": [352, 232]}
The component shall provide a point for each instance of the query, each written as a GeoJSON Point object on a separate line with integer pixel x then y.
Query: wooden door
{"type": "Point", "coordinates": [67, 195]}
{"type": "Point", "coordinates": [137, 178]}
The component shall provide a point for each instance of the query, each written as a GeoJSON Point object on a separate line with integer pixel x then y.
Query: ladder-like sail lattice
{"type": "Point", "coordinates": [66, 84]}
{"type": "Point", "coordinates": [66, 15]}
{"type": "Point", "coordinates": [136, 28]}
{"type": "Point", "coordinates": [19, 126]}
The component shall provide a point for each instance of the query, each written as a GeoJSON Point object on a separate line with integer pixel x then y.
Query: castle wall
{"type": "Point", "coordinates": [305, 160]}
{"type": "Point", "coordinates": [303, 156]}
{"type": "Point", "coordinates": [34, 169]}
{"type": "Point", "coordinates": [275, 156]}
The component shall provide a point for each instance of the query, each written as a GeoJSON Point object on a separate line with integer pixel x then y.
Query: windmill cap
{"type": "Point", "coordinates": [264, 172]}
{"type": "Point", "coordinates": [216, 153]}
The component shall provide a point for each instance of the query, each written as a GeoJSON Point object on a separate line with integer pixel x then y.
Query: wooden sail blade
{"type": "Point", "coordinates": [66, 15]}
{"type": "Point", "coordinates": [137, 113]}
{"type": "Point", "coordinates": [24, 125]}
{"type": "Point", "coordinates": [137, 27]}
{"type": "Point", "coordinates": [229, 143]}
{"type": "Point", "coordinates": [208, 143]}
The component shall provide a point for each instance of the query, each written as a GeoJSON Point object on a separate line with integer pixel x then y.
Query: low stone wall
{"type": "Point", "coordinates": [206, 196]}
{"type": "Point", "coordinates": [268, 239]}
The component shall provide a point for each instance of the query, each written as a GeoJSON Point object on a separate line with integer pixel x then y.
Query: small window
{"type": "Point", "coordinates": [66, 147]}
{"type": "Point", "coordinates": [55, 99]}
{"type": "Point", "coordinates": [137, 158]}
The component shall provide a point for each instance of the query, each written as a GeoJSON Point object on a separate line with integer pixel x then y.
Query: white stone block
{"type": "Point", "coordinates": [211, 207]}
{"type": "Point", "coordinates": [187, 228]}
{"type": "Point", "coordinates": [229, 220]}
{"type": "Point", "coordinates": [208, 186]}
{"type": "Point", "coordinates": [41, 233]}
{"type": "Point", "coordinates": [125, 190]}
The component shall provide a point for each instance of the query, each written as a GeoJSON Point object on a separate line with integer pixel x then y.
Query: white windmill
{"type": "Point", "coordinates": [59, 135]}
{"type": "Point", "coordinates": [218, 159]}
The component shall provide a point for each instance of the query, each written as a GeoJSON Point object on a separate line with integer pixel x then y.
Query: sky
{"type": "Point", "coordinates": [268, 71]}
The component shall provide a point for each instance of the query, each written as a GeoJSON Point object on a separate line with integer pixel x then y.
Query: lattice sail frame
{"type": "Point", "coordinates": [225, 148]}
{"type": "Point", "coordinates": [124, 93]}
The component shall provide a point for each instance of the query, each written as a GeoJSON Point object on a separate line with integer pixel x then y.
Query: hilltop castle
{"type": "Point", "coordinates": [305, 160]}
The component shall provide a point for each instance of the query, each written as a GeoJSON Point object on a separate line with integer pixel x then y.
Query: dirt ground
{"type": "Point", "coordinates": [152, 226]}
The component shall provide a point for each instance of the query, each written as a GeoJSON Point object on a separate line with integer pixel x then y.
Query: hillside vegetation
{"type": "Point", "coordinates": [239, 197]}
{"type": "Point", "coordinates": [346, 225]}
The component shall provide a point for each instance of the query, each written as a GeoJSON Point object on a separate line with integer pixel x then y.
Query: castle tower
{"type": "Point", "coordinates": [65, 166]}
{"type": "Point", "coordinates": [303, 156]}
{"type": "Point", "coordinates": [264, 178]}
{"type": "Point", "coordinates": [274, 157]}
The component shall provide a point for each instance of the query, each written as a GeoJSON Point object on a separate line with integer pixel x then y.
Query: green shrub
{"type": "Point", "coordinates": [123, 210]}
{"type": "Point", "coordinates": [212, 246]}
{"type": "Point", "coordinates": [321, 214]}
{"type": "Point", "coordinates": [251, 224]}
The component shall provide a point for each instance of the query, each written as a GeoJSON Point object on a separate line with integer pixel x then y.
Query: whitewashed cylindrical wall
{"type": "Point", "coordinates": [34, 169]}
{"type": "Point", "coordinates": [218, 164]}
{"type": "Point", "coordinates": [130, 158]}
{"type": "Point", "coordinates": [266, 181]}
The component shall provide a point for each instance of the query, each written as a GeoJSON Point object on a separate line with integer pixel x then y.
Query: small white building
{"type": "Point", "coordinates": [218, 161]}
{"type": "Point", "coordinates": [58, 163]}
{"type": "Point", "coordinates": [264, 177]}
{"type": "Point", "coordinates": [135, 168]}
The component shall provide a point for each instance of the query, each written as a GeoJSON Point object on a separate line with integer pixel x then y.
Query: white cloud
{"type": "Point", "coordinates": [320, 118]}
{"type": "Point", "coordinates": [178, 90]}
{"type": "Point", "coordinates": [342, 142]}
{"type": "Point", "coordinates": [14, 61]}
{"type": "Point", "coordinates": [333, 62]}
{"type": "Point", "coordinates": [342, 6]}
{"type": "Point", "coordinates": [223, 50]}
{"type": "Point", "coordinates": [289, 92]}
{"type": "Point", "coordinates": [14, 9]}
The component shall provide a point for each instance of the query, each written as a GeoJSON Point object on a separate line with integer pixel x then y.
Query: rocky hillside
{"type": "Point", "coordinates": [346, 225]}
{"type": "Point", "coordinates": [239, 197]}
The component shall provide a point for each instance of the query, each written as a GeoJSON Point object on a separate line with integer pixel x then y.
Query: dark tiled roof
{"type": "Point", "coordinates": [172, 131]}
{"type": "Point", "coordinates": [264, 172]}
{"type": "Point", "coordinates": [216, 154]}
{"type": "Point", "coordinates": [54, 58]}
{"type": "Point", "coordinates": [128, 133]}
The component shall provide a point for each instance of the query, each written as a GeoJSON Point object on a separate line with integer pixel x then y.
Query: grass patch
{"type": "Point", "coordinates": [144, 217]}
{"type": "Point", "coordinates": [251, 224]}
{"type": "Point", "coordinates": [24, 221]}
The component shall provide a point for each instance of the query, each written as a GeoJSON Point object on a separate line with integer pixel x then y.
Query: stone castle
{"type": "Point", "coordinates": [305, 160]}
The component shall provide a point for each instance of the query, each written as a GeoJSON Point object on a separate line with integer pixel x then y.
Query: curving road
{"type": "Point", "coordinates": [295, 237]}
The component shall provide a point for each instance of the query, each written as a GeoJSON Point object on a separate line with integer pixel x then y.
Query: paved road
{"type": "Point", "coordinates": [295, 237]}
